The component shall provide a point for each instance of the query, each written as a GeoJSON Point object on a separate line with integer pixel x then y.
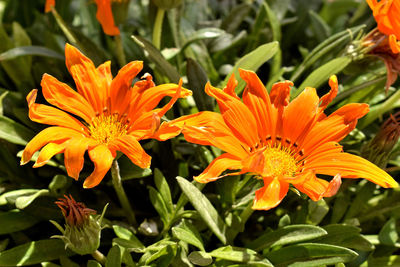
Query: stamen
{"type": "Point", "coordinates": [105, 128]}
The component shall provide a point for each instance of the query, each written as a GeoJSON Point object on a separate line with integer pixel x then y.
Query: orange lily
{"type": "Point", "coordinates": [280, 141]}
{"type": "Point", "coordinates": [386, 14]}
{"type": "Point", "coordinates": [104, 15]}
{"type": "Point", "coordinates": [114, 116]}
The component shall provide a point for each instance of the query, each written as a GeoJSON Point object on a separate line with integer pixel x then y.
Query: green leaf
{"type": "Point", "coordinates": [235, 17]}
{"type": "Point", "coordinates": [392, 261]}
{"type": "Point", "coordinates": [33, 253]}
{"type": "Point", "coordinates": [163, 188]}
{"type": "Point", "coordinates": [322, 74]}
{"type": "Point", "coordinates": [205, 33]}
{"type": "Point", "coordinates": [388, 234]}
{"type": "Point", "coordinates": [189, 234]}
{"type": "Point", "coordinates": [321, 29]}
{"type": "Point", "coordinates": [204, 207]}
{"type": "Point", "coordinates": [14, 132]}
{"type": "Point", "coordinates": [237, 254]}
{"type": "Point", "coordinates": [66, 262]}
{"type": "Point", "coordinates": [113, 257]}
{"type": "Point", "coordinates": [155, 56]}
{"type": "Point", "coordinates": [131, 171]}
{"type": "Point", "coordinates": [126, 234]}
{"type": "Point", "coordinates": [200, 258]}
{"type": "Point", "coordinates": [310, 254]}
{"type": "Point", "coordinates": [3, 244]}
{"type": "Point", "coordinates": [287, 235]}
{"type": "Point", "coordinates": [92, 263]}
{"type": "Point", "coordinates": [14, 221]}
{"type": "Point", "coordinates": [317, 210]}
{"type": "Point", "coordinates": [24, 201]}
{"type": "Point", "coordinates": [159, 205]}
{"type": "Point", "coordinates": [30, 51]}
{"type": "Point", "coordinates": [197, 79]}
{"type": "Point", "coordinates": [11, 196]}
{"type": "Point", "coordinates": [252, 61]}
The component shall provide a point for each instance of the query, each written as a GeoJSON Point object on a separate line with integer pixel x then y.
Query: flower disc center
{"type": "Point", "coordinates": [105, 128]}
{"type": "Point", "coordinates": [279, 162]}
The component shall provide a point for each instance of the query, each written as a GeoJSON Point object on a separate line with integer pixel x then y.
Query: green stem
{"type": "Point", "coordinates": [119, 50]}
{"type": "Point", "coordinates": [98, 256]}
{"type": "Point", "coordinates": [244, 216]}
{"type": "Point", "coordinates": [123, 199]}
{"type": "Point", "coordinates": [158, 28]}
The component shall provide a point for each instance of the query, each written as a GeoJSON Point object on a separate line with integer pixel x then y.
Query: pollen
{"type": "Point", "coordinates": [279, 161]}
{"type": "Point", "coordinates": [105, 128]}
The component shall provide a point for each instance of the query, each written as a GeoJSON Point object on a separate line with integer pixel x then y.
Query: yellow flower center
{"type": "Point", "coordinates": [105, 128]}
{"type": "Point", "coordinates": [279, 161]}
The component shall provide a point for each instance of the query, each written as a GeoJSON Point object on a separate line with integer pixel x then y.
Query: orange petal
{"type": "Point", "coordinates": [48, 135]}
{"type": "Point", "coordinates": [132, 149]}
{"type": "Point", "coordinates": [86, 77]}
{"type": "Point", "coordinates": [237, 116]}
{"type": "Point", "coordinates": [317, 188]}
{"type": "Point", "coordinates": [52, 116]}
{"type": "Point", "coordinates": [121, 84]}
{"type": "Point", "coordinates": [351, 166]}
{"type": "Point", "coordinates": [105, 17]}
{"type": "Point", "coordinates": [231, 85]}
{"type": "Point", "coordinates": [256, 98]}
{"type": "Point", "coordinates": [47, 152]}
{"type": "Point", "coordinates": [299, 116]}
{"type": "Point", "coordinates": [327, 98]}
{"type": "Point", "coordinates": [102, 159]}
{"type": "Point", "coordinates": [62, 96]}
{"type": "Point", "coordinates": [151, 97]}
{"type": "Point", "coordinates": [270, 195]}
{"type": "Point", "coordinates": [49, 4]}
{"type": "Point", "coordinates": [394, 45]}
{"type": "Point", "coordinates": [280, 93]}
{"type": "Point", "coordinates": [74, 155]}
{"type": "Point", "coordinates": [217, 166]}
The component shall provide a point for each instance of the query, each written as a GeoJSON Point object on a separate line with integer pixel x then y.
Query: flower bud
{"type": "Point", "coordinates": [82, 228]}
{"type": "Point", "coordinates": [378, 150]}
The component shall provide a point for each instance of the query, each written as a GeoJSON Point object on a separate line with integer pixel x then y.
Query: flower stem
{"type": "Point", "coordinates": [98, 256]}
{"type": "Point", "coordinates": [123, 199]}
{"type": "Point", "coordinates": [158, 28]}
{"type": "Point", "coordinates": [119, 50]}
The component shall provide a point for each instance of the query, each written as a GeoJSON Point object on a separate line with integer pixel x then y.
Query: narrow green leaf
{"type": "Point", "coordinates": [388, 234]}
{"type": "Point", "coordinates": [155, 56]}
{"type": "Point", "coordinates": [159, 204]}
{"type": "Point", "coordinates": [4, 244]}
{"type": "Point", "coordinates": [113, 257]}
{"type": "Point", "coordinates": [197, 79]}
{"type": "Point", "coordinates": [205, 33]}
{"type": "Point", "coordinates": [93, 263]}
{"type": "Point", "coordinates": [252, 61]}
{"type": "Point", "coordinates": [30, 51]}
{"type": "Point", "coordinates": [33, 253]}
{"type": "Point", "coordinates": [124, 233]}
{"type": "Point", "coordinates": [14, 221]}
{"type": "Point", "coordinates": [189, 234]}
{"type": "Point", "coordinates": [237, 254]}
{"type": "Point", "coordinates": [66, 262]}
{"type": "Point", "coordinates": [14, 132]}
{"type": "Point", "coordinates": [24, 201]}
{"type": "Point", "coordinates": [322, 74]}
{"type": "Point", "coordinates": [392, 261]}
{"type": "Point", "coordinates": [200, 258]}
{"type": "Point", "coordinates": [11, 196]}
{"type": "Point", "coordinates": [310, 254]}
{"type": "Point", "coordinates": [163, 188]}
{"type": "Point", "coordinates": [287, 235]}
{"type": "Point", "coordinates": [317, 210]}
{"type": "Point", "coordinates": [321, 29]}
{"type": "Point", "coordinates": [235, 17]}
{"type": "Point", "coordinates": [204, 207]}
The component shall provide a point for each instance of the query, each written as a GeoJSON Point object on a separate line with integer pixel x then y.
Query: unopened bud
{"type": "Point", "coordinates": [82, 226]}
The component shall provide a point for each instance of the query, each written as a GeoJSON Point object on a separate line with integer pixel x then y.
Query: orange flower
{"type": "Point", "coordinates": [386, 14]}
{"type": "Point", "coordinates": [104, 15]}
{"type": "Point", "coordinates": [282, 142]}
{"type": "Point", "coordinates": [114, 116]}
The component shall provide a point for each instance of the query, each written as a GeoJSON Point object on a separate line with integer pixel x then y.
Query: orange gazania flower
{"type": "Point", "coordinates": [114, 116]}
{"type": "Point", "coordinates": [104, 15]}
{"type": "Point", "coordinates": [386, 14]}
{"type": "Point", "coordinates": [280, 141]}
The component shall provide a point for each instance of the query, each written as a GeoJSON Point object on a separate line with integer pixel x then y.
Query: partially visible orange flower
{"type": "Point", "coordinates": [280, 141]}
{"type": "Point", "coordinates": [104, 15]}
{"type": "Point", "coordinates": [387, 14]}
{"type": "Point", "coordinates": [114, 116]}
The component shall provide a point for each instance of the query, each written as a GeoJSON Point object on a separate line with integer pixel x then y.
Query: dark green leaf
{"type": "Point", "coordinates": [197, 79]}
{"type": "Point", "coordinates": [189, 234]}
{"type": "Point", "coordinates": [14, 132]}
{"type": "Point", "coordinates": [30, 51]}
{"type": "Point", "coordinates": [244, 255]}
{"type": "Point", "coordinates": [163, 188]}
{"type": "Point", "coordinates": [388, 235]}
{"type": "Point", "coordinates": [113, 257]}
{"type": "Point", "coordinates": [14, 221]}
{"type": "Point", "coordinates": [200, 258]}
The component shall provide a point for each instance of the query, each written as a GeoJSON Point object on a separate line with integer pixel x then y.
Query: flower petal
{"type": "Point", "coordinates": [52, 116]}
{"type": "Point", "coordinates": [62, 96]}
{"type": "Point", "coordinates": [256, 98]}
{"type": "Point", "coordinates": [270, 195]}
{"type": "Point", "coordinates": [105, 16]}
{"type": "Point", "coordinates": [49, 4]}
{"type": "Point", "coordinates": [237, 116]}
{"type": "Point", "coordinates": [86, 77]}
{"type": "Point", "coordinates": [132, 149]}
{"type": "Point", "coordinates": [317, 188]}
{"type": "Point", "coordinates": [48, 135]}
{"type": "Point", "coordinates": [102, 159]}
{"type": "Point", "coordinates": [47, 152]}
{"type": "Point", "coordinates": [217, 166]}
{"type": "Point", "coordinates": [74, 155]}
